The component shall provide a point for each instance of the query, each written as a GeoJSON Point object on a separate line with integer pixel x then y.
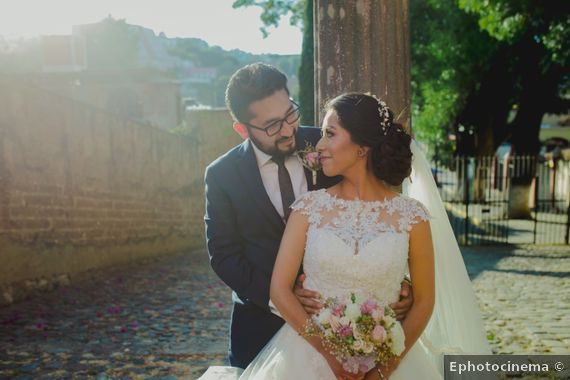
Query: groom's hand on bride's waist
{"type": "Point", "coordinates": [308, 298]}
{"type": "Point", "coordinates": [403, 306]}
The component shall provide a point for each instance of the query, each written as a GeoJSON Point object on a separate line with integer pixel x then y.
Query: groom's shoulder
{"type": "Point", "coordinates": [226, 160]}
{"type": "Point", "coordinates": [309, 134]}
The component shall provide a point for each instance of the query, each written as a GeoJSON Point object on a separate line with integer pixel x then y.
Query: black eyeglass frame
{"type": "Point", "coordinates": [295, 110]}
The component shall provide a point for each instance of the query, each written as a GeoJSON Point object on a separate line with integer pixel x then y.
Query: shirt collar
{"type": "Point", "coordinates": [261, 157]}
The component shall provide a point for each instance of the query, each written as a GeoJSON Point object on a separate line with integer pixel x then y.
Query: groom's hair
{"type": "Point", "coordinates": [249, 84]}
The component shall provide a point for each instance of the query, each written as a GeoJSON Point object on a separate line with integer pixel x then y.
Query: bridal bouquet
{"type": "Point", "coordinates": [359, 334]}
{"type": "Point", "coordinates": [310, 159]}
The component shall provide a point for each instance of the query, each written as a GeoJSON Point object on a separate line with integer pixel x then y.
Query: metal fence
{"type": "Point", "coordinates": [480, 194]}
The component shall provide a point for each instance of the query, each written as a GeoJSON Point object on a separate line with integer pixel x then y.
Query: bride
{"type": "Point", "coordinates": [361, 236]}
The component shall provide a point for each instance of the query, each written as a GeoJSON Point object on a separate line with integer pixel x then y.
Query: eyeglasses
{"type": "Point", "coordinates": [275, 127]}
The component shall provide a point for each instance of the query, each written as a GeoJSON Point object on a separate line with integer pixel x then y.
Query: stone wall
{"type": "Point", "coordinates": [82, 189]}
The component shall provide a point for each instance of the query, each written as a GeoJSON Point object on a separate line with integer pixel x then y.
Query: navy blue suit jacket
{"type": "Point", "coordinates": [243, 233]}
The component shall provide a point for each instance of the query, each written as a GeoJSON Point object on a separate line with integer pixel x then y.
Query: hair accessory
{"type": "Point", "coordinates": [384, 113]}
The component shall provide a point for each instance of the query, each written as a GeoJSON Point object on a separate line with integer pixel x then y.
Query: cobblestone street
{"type": "Point", "coordinates": [524, 294]}
{"type": "Point", "coordinates": [168, 318]}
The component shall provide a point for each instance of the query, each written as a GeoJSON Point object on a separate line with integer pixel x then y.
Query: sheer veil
{"type": "Point", "coordinates": [456, 325]}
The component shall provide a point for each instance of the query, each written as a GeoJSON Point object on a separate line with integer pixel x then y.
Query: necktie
{"type": "Point", "coordinates": [285, 185]}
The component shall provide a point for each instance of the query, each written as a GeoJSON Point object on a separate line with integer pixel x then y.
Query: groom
{"type": "Point", "coordinates": [248, 193]}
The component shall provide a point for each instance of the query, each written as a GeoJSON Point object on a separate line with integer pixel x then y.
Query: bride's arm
{"type": "Point", "coordinates": [289, 259]}
{"type": "Point", "coordinates": [422, 272]}
{"type": "Point", "coordinates": [287, 264]}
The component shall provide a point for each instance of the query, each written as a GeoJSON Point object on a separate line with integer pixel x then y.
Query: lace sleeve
{"type": "Point", "coordinates": [309, 205]}
{"type": "Point", "coordinates": [414, 212]}
{"type": "Point", "coordinates": [419, 213]}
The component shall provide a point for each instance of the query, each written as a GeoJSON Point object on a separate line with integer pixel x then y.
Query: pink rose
{"type": "Point", "coordinates": [379, 333]}
{"type": "Point", "coordinates": [338, 310]}
{"type": "Point", "coordinates": [312, 158]}
{"type": "Point", "coordinates": [377, 314]}
{"type": "Point", "coordinates": [368, 307]}
{"type": "Point", "coordinates": [345, 331]}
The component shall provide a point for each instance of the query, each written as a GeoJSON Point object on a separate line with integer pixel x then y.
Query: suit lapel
{"type": "Point", "coordinates": [249, 170]}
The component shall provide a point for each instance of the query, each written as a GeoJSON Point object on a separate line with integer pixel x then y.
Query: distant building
{"type": "Point", "coordinates": [133, 84]}
{"type": "Point", "coordinates": [146, 96]}
{"type": "Point", "coordinates": [63, 53]}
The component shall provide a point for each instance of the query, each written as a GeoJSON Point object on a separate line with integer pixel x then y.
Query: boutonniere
{"type": "Point", "coordinates": [311, 160]}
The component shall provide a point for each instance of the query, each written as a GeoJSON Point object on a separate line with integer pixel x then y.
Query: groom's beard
{"type": "Point", "coordinates": [275, 150]}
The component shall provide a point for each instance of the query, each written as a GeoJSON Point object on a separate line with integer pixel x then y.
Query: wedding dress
{"type": "Point", "coordinates": [352, 246]}
{"type": "Point", "coordinates": [362, 247]}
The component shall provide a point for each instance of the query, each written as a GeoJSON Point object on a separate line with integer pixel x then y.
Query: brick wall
{"type": "Point", "coordinates": [81, 189]}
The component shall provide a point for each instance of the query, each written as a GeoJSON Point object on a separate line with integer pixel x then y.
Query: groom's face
{"type": "Point", "coordinates": [266, 111]}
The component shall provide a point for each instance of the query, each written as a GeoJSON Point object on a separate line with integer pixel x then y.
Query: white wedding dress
{"type": "Point", "coordinates": [362, 247]}
{"type": "Point", "coordinates": [352, 246]}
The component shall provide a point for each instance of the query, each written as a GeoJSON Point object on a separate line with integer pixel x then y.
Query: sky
{"type": "Point", "coordinates": [214, 21]}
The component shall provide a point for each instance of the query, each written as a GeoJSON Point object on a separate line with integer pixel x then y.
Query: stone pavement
{"type": "Point", "coordinates": [167, 318]}
{"type": "Point", "coordinates": [524, 294]}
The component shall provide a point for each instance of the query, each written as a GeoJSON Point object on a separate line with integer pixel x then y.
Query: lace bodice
{"type": "Point", "coordinates": [357, 246]}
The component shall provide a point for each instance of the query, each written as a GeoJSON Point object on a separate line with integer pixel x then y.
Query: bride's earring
{"type": "Point", "coordinates": [361, 152]}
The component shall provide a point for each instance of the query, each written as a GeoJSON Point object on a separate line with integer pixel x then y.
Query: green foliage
{"type": "Point", "coordinates": [273, 10]}
{"type": "Point", "coordinates": [471, 63]}
{"type": "Point", "coordinates": [534, 48]}
{"type": "Point", "coordinates": [301, 14]}
{"type": "Point", "coordinates": [448, 55]}
{"type": "Point", "coordinates": [509, 20]}
{"type": "Point", "coordinates": [498, 18]}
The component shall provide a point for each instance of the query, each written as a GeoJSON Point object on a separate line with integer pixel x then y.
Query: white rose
{"type": "Point", "coordinates": [324, 317]}
{"type": "Point", "coordinates": [377, 315]}
{"type": "Point", "coordinates": [368, 348]}
{"type": "Point", "coordinates": [352, 312]}
{"type": "Point", "coordinates": [356, 333]}
{"type": "Point", "coordinates": [398, 339]}
{"type": "Point", "coordinates": [389, 321]}
{"type": "Point", "coordinates": [358, 344]}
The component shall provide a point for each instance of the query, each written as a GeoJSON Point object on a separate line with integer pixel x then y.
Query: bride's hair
{"type": "Point", "coordinates": [371, 123]}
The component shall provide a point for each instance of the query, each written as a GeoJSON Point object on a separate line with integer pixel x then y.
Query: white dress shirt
{"type": "Point", "coordinates": [268, 171]}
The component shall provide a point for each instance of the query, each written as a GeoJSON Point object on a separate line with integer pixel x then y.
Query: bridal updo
{"type": "Point", "coordinates": [371, 123]}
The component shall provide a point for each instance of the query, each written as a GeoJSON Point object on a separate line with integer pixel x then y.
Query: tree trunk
{"type": "Point", "coordinates": [307, 70]}
{"type": "Point", "coordinates": [487, 107]}
{"type": "Point", "coordinates": [536, 88]}
{"type": "Point", "coordinates": [363, 45]}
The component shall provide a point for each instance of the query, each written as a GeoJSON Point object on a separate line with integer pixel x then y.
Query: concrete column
{"type": "Point", "coordinates": [363, 45]}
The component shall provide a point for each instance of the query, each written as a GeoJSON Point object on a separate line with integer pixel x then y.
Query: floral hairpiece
{"type": "Point", "coordinates": [383, 112]}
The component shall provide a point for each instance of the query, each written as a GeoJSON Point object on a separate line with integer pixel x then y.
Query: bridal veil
{"type": "Point", "coordinates": [456, 326]}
